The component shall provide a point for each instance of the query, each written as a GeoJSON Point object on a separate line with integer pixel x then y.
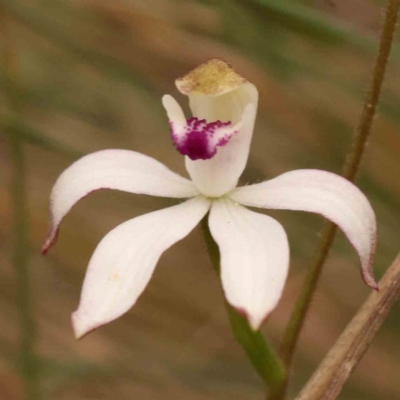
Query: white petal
{"type": "Point", "coordinates": [254, 258]}
{"type": "Point", "coordinates": [124, 261]}
{"type": "Point", "coordinates": [112, 169]}
{"type": "Point", "coordinates": [218, 93]}
{"type": "Point", "coordinates": [324, 193]}
{"type": "Point", "coordinates": [175, 114]}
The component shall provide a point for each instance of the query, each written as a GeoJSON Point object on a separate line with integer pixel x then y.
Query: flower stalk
{"type": "Point", "coordinates": [28, 361]}
{"type": "Point", "coordinates": [262, 356]}
{"type": "Point", "coordinates": [349, 171]}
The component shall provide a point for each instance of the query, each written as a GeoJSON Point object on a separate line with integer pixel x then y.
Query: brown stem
{"type": "Point", "coordinates": [303, 302]}
{"type": "Point", "coordinates": [364, 126]}
{"type": "Point", "coordinates": [349, 171]}
{"type": "Point", "coordinates": [328, 380]}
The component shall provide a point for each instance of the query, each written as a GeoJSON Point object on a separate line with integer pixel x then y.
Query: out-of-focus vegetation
{"type": "Point", "coordinates": [90, 76]}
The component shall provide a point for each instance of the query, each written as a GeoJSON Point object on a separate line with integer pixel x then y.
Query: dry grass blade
{"type": "Point", "coordinates": [328, 380]}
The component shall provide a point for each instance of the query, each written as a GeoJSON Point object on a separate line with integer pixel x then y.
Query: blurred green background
{"type": "Point", "coordinates": [90, 75]}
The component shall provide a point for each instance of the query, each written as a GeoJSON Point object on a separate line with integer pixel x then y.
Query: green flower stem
{"type": "Point", "coordinates": [262, 356]}
{"type": "Point", "coordinates": [28, 362]}
{"type": "Point", "coordinates": [350, 169]}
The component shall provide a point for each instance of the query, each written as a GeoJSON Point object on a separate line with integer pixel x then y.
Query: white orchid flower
{"type": "Point", "coordinates": [215, 141]}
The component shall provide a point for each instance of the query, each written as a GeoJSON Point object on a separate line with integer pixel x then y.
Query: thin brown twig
{"type": "Point", "coordinates": [350, 169]}
{"type": "Point", "coordinates": [328, 380]}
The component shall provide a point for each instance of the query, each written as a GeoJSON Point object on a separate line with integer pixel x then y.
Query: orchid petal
{"type": "Point", "coordinates": [324, 193]}
{"type": "Point", "coordinates": [254, 258]}
{"type": "Point", "coordinates": [112, 169]}
{"type": "Point", "coordinates": [217, 93]}
{"type": "Point", "coordinates": [124, 261]}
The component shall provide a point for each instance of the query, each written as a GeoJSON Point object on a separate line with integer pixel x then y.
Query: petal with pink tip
{"type": "Point", "coordinates": [112, 169]}
{"type": "Point", "coordinates": [254, 258]}
{"type": "Point", "coordinates": [324, 193]}
{"type": "Point", "coordinates": [124, 261]}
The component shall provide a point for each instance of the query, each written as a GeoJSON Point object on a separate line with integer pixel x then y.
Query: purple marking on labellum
{"type": "Point", "coordinates": [199, 140]}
